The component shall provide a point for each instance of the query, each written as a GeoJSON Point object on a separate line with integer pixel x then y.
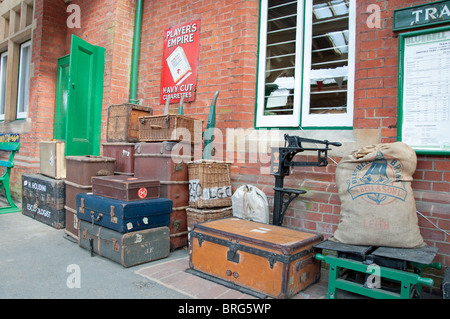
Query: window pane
{"type": "Point", "coordinates": [280, 57]}
{"type": "Point", "coordinates": [3, 63]}
{"type": "Point", "coordinates": [329, 56]}
{"type": "Point", "coordinates": [24, 67]}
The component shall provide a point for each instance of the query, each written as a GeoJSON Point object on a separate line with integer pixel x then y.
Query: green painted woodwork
{"type": "Point", "coordinates": [62, 91]}
{"type": "Point", "coordinates": [406, 279]}
{"type": "Point", "coordinates": [84, 106]}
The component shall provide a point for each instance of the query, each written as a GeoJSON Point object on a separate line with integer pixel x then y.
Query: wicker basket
{"type": "Point", "coordinates": [209, 184]}
{"type": "Point", "coordinates": [171, 127]}
{"type": "Point", "coordinates": [195, 215]}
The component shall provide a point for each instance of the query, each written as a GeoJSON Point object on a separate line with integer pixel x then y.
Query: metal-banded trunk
{"type": "Point", "coordinates": [275, 261]}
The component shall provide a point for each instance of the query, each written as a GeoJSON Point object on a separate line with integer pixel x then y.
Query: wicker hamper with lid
{"type": "Point", "coordinates": [209, 184]}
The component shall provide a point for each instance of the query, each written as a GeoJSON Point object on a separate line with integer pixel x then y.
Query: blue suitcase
{"type": "Point", "coordinates": [123, 216]}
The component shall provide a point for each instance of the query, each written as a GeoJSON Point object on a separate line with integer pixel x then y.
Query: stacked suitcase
{"type": "Point", "coordinates": [124, 219]}
{"type": "Point", "coordinates": [166, 162]}
{"type": "Point", "coordinates": [80, 170]}
{"type": "Point", "coordinates": [149, 156]}
{"type": "Point", "coordinates": [43, 194]}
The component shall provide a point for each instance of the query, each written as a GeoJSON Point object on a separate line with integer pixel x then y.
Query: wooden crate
{"type": "Point", "coordinates": [123, 122]}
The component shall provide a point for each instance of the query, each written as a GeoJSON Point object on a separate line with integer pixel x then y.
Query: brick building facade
{"type": "Point", "coordinates": [229, 62]}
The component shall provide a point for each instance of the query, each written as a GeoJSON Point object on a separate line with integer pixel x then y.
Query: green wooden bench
{"type": "Point", "coordinates": [12, 148]}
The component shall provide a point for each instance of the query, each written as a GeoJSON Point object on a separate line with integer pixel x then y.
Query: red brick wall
{"type": "Point", "coordinates": [104, 23]}
{"type": "Point", "coordinates": [48, 43]}
{"type": "Point", "coordinates": [227, 60]}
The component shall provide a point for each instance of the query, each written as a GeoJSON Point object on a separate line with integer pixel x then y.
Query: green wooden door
{"type": "Point", "coordinates": [62, 91]}
{"type": "Point", "coordinates": [84, 104]}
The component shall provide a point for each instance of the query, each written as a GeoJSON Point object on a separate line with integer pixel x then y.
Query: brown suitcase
{"type": "Point", "coordinates": [70, 207]}
{"type": "Point", "coordinates": [81, 169]}
{"type": "Point", "coordinates": [178, 228]}
{"type": "Point", "coordinates": [178, 192]}
{"type": "Point", "coordinates": [123, 122]}
{"type": "Point", "coordinates": [71, 223]}
{"type": "Point", "coordinates": [272, 260]}
{"type": "Point", "coordinates": [164, 161]}
{"type": "Point", "coordinates": [72, 189]}
{"type": "Point", "coordinates": [124, 155]}
{"type": "Point", "coordinates": [126, 188]}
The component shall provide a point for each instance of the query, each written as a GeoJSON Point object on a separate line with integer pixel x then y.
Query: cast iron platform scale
{"type": "Point", "coordinates": [282, 159]}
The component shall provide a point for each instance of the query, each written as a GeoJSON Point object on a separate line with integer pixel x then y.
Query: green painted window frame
{"type": "Point", "coordinates": [419, 149]}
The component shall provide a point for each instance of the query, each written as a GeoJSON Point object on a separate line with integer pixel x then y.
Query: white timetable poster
{"type": "Point", "coordinates": [426, 91]}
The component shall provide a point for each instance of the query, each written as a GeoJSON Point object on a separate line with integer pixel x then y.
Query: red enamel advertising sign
{"type": "Point", "coordinates": [180, 60]}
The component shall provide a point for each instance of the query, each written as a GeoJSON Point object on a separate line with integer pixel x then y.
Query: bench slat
{"type": "Point", "coordinates": [6, 164]}
{"type": "Point", "coordinates": [11, 146]}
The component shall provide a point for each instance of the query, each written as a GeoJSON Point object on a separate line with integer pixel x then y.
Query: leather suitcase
{"type": "Point", "coordinates": [124, 155]}
{"type": "Point", "coordinates": [72, 189]}
{"type": "Point", "coordinates": [178, 192]}
{"type": "Point", "coordinates": [173, 156]}
{"type": "Point", "coordinates": [271, 260]}
{"type": "Point", "coordinates": [178, 228]}
{"type": "Point", "coordinates": [123, 122]}
{"type": "Point", "coordinates": [43, 199]}
{"type": "Point", "coordinates": [126, 188]}
{"type": "Point", "coordinates": [81, 169]}
{"type": "Point", "coordinates": [128, 249]}
{"type": "Point", "coordinates": [124, 216]}
{"type": "Point", "coordinates": [71, 229]}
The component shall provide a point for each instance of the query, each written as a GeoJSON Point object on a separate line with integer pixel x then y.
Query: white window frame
{"type": "Point", "coordinates": [23, 90]}
{"type": "Point", "coordinates": [301, 116]}
{"type": "Point", "coordinates": [330, 119]}
{"type": "Point", "coordinates": [3, 67]}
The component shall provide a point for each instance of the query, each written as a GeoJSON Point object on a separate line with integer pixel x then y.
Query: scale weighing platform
{"type": "Point", "coordinates": [377, 272]}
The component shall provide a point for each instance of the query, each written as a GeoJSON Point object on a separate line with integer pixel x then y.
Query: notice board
{"type": "Point", "coordinates": [424, 90]}
{"type": "Point", "coordinates": [180, 60]}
